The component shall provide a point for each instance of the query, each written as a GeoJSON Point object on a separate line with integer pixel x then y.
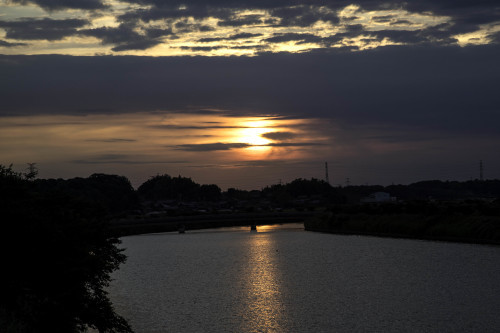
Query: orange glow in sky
{"type": "Point", "coordinates": [161, 142]}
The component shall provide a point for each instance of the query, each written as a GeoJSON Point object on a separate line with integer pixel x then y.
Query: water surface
{"type": "Point", "coordinates": [284, 279]}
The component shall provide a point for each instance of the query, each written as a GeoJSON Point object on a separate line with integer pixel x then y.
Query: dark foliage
{"type": "Point", "coordinates": [178, 188]}
{"type": "Point", "coordinates": [476, 221]}
{"type": "Point", "coordinates": [114, 194]}
{"type": "Point", "coordinates": [57, 255]}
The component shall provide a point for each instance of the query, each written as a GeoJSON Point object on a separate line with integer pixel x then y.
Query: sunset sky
{"type": "Point", "coordinates": [250, 93]}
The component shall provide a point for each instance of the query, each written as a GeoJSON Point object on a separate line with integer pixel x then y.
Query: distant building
{"type": "Point", "coordinates": [379, 197]}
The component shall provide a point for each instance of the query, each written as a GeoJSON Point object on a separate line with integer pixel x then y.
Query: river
{"type": "Point", "coordinates": [284, 279]}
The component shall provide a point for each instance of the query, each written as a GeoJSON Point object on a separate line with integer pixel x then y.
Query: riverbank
{"type": "Point", "coordinates": [463, 228]}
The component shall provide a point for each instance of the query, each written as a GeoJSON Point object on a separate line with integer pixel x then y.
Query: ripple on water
{"type": "Point", "coordinates": [289, 280]}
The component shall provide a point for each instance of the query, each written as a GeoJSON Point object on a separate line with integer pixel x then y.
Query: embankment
{"type": "Point", "coordinates": [454, 228]}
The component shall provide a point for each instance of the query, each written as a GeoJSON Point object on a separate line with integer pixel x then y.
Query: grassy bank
{"type": "Point", "coordinates": [457, 227]}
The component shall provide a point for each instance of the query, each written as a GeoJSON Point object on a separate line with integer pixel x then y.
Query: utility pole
{"type": "Point", "coordinates": [326, 173]}
{"type": "Point", "coordinates": [481, 178]}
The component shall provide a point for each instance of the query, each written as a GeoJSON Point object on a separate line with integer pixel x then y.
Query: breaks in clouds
{"type": "Point", "coordinates": [214, 88]}
{"type": "Point", "coordinates": [244, 27]}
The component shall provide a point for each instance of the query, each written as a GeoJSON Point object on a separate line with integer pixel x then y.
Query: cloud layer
{"type": "Point", "coordinates": [445, 89]}
{"type": "Point", "coordinates": [378, 88]}
{"type": "Point", "coordinates": [250, 27]}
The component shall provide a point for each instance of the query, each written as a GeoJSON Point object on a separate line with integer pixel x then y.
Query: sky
{"type": "Point", "coordinates": [247, 94]}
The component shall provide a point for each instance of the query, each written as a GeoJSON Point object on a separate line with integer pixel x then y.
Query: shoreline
{"type": "Point", "coordinates": [471, 229]}
{"type": "Point", "coordinates": [475, 241]}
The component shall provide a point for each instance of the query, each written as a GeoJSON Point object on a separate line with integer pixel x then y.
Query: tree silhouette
{"type": "Point", "coordinates": [32, 171]}
{"type": "Point", "coordinates": [57, 255]}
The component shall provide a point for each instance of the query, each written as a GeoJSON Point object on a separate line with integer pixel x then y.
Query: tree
{"type": "Point", "coordinates": [163, 187]}
{"type": "Point", "coordinates": [32, 171]}
{"type": "Point", "coordinates": [57, 255]}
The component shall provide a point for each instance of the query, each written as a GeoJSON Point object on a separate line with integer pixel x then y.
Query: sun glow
{"type": "Point", "coordinates": [251, 132]}
{"type": "Point", "coordinates": [254, 137]}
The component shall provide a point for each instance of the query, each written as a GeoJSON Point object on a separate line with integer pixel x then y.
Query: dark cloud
{"type": "Point", "coordinates": [232, 37]}
{"type": "Point", "coordinates": [211, 39]}
{"type": "Point", "coordinates": [406, 36]}
{"type": "Point", "coordinates": [236, 21]}
{"type": "Point", "coordinates": [171, 11]}
{"type": "Point", "coordinates": [155, 32]}
{"type": "Point", "coordinates": [41, 29]}
{"type": "Point", "coordinates": [243, 35]}
{"type": "Point", "coordinates": [288, 37]}
{"type": "Point", "coordinates": [185, 26]}
{"type": "Point", "coordinates": [303, 16]}
{"type": "Point", "coordinates": [136, 45]}
{"type": "Point", "coordinates": [279, 136]}
{"type": "Point", "coordinates": [65, 4]}
{"type": "Point", "coordinates": [219, 146]}
{"type": "Point", "coordinates": [4, 43]}
{"type": "Point", "coordinates": [202, 127]}
{"type": "Point", "coordinates": [255, 47]}
{"type": "Point", "coordinates": [290, 13]}
{"type": "Point", "coordinates": [354, 28]}
{"type": "Point", "coordinates": [383, 18]}
{"type": "Point", "coordinates": [212, 146]}
{"type": "Point", "coordinates": [465, 16]}
{"type": "Point", "coordinates": [202, 48]}
{"type": "Point", "coordinates": [451, 89]}
{"type": "Point", "coordinates": [111, 140]}
{"type": "Point", "coordinates": [293, 144]}
{"type": "Point", "coordinates": [125, 37]}
{"type": "Point", "coordinates": [495, 37]}
{"type": "Point", "coordinates": [351, 18]}
{"type": "Point", "coordinates": [432, 36]}
{"type": "Point", "coordinates": [401, 22]}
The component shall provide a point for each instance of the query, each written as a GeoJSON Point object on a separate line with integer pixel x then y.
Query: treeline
{"type": "Point", "coordinates": [110, 193]}
{"type": "Point", "coordinates": [115, 194]}
{"type": "Point", "coordinates": [163, 187]}
{"type": "Point", "coordinates": [475, 221]}
{"type": "Point", "coordinates": [166, 187]}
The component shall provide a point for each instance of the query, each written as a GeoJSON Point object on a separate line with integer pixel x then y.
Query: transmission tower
{"type": "Point", "coordinates": [481, 170]}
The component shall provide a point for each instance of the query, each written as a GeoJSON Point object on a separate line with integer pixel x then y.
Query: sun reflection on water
{"type": "Point", "coordinates": [263, 308]}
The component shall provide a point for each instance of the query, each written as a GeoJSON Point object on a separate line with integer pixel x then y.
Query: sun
{"type": "Point", "coordinates": [251, 132]}
{"type": "Point", "coordinates": [253, 136]}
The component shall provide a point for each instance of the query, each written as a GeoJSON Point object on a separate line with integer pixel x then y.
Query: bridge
{"type": "Point", "coordinates": [135, 226]}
